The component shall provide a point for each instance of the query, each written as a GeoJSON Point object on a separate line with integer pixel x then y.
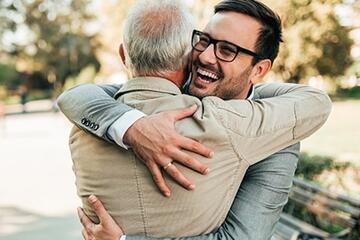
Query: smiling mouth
{"type": "Point", "coordinates": [207, 76]}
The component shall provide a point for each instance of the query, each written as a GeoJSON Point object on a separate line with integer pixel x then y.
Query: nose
{"type": "Point", "coordinates": [208, 55]}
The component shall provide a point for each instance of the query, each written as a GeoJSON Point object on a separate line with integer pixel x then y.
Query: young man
{"type": "Point", "coordinates": [235, 50]}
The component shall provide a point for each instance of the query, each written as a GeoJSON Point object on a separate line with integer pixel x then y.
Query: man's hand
{"type": "Point", "coordinates": [107, 229]}
{"type": "Point", "coordinates": [155, 141]}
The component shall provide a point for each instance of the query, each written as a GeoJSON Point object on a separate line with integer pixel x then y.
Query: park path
{"type": "Point", "coordinates": [37, 191]}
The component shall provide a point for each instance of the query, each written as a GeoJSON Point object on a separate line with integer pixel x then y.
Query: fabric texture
{"type": "Point", "coordinates": [259, 201]}
{"type": "Point", "coordinates": [241, 132]}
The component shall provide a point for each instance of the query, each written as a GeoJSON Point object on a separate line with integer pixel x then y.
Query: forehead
{"type": "Point", "coordinates": [234, 27]}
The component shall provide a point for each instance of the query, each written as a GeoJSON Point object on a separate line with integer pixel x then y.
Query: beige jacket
{"type": "Point", "coordinates": [242, 132]}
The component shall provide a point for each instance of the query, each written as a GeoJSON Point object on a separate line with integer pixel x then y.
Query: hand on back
{"type": "Point", "coordinates": [107, 229]}
{"type": "Point", "coordinates": [156, 142]}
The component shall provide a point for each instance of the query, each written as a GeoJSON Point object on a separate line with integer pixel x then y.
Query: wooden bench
{"type": "Point", "coordinates": [323, 209]}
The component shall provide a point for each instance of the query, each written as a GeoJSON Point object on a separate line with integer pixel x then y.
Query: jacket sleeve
{"type": "Point", "coordinates": [92, 107]}
{"type": "Point", "coordinates": [262, 127]}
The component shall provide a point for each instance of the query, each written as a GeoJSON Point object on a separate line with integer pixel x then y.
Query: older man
{"type": "Point", "coordinates": [236, 49]}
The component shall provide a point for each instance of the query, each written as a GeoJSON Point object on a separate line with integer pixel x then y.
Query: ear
{"type": "Point", "coordinates": [122, 54]}
{"type": "Point", "coordinates": [260, 70]}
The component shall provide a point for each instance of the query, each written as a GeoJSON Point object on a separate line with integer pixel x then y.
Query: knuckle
{"type": "Point", "coordinates": [97, 205]}
{"type": "Point", "coordinates": [183, 112]}
{"type": "Point", "coordinates": [188, 161]}
{"type": "Point", "coordinates": [157, 179]}
{"type": "Point", "coordinates": [81, 220]}
{"type": "Point", "coordinates": [176, 174]}
{"type": "Point", "coordinates": [152, 166]}
{"type": "Point", "coordinates": [196, 145]}
{"type": "Point", "coordinates": [91, 231]}
{"type": "Point", "coordinates": [152, 163]}
{"type": "Point", "coordinates": [146, 161]}
{"type": "Point", "coordinates": [168, 150]}
{"type": "Point", "coordinates": [88, 227]}
{"type": "Point", "coordinates": [167, 115]}
{"type": "Point", "coordinates": [172, 139]}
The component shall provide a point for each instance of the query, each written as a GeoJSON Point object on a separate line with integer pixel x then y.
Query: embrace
{"type": "Point", "coordinates": [193, 146]}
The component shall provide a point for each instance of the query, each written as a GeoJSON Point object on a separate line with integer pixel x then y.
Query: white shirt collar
{"type": "Point", "coordinates": [251, 96]}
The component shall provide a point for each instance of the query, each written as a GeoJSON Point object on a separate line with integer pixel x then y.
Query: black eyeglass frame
{"type": "Point", "coordinates": [215, 41]}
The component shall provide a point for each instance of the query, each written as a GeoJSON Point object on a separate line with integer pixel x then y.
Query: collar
{"type": "Point", "coordinates": [252, 93]}
{"type": "Point", "coordinates": [153, 84]}
{"type": "Point", "coordinates": [158, 84]}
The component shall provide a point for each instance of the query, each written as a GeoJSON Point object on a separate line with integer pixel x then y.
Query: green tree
{"type": "Point", "coordinates": [49, 37]}
{"type": "Point", "coordinates": [314, 41]}
{"type": "Point", "coordinates": [8, 76]}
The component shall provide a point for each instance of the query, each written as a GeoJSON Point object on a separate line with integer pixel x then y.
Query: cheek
{"type": "Point", "coordinates": [228, 70]}
{"type": "Point", "coordinates": [238, 70]}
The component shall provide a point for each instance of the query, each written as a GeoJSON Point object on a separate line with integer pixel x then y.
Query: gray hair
{"type": "Point", "coordinates": [157, 36]}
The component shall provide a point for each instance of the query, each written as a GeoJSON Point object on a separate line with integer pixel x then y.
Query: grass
{"type": "Point", "coordinates": [33, 96]}
{"type": "Point", "coordinates": [338, 139]}
{"type": "Point", "coordinates": [340, 136]}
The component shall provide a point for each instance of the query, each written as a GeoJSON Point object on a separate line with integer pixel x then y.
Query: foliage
{"type": "Point", "coordinates": [352, 93]}
{"type": "Point", "coordinates": [87, 75]}
{"type": "Point", "coordinates": [8, 76]}
{"type": "Point", "coordinates": [53, 37]}
{"type": "Point", "coordinates": [311, 166]}
{"type": "Point", "coordinates": [314, 41]}
{"type": "Point", "coordinates": [354, 70]}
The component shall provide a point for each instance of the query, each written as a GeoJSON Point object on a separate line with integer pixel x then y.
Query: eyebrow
{"type": "Point", "coordinates": [239, 48]}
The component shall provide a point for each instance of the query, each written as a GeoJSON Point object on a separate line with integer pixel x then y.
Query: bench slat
{"type": "Point", "coordinates": [334, 208]}
{"type": "Point", "coordinates": [284, 232]}
{"type": "Point", "coordinates": [309, 185]}
{"type": "Point", "coordinates": [301, 226]}
{"type": "Point", "coordinates": [323, 212]}
{"type": "Point", "coordinates": [323, 201]}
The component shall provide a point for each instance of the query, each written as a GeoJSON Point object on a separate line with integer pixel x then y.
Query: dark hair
{"type": "Point", "coordinates": [268, 41]}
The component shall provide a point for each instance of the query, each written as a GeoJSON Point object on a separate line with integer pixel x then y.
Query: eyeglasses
{"type": "Point", "coordinates": [224, 50]}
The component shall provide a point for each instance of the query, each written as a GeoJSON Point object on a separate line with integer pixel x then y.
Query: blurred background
{"type": "Point", "coordinates": [49, 46]}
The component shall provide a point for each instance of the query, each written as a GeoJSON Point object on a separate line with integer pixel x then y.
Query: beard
{"type": "Point", "coordinates": [235, 88]}
{"type": "Point", "coordinates": [227, 88]}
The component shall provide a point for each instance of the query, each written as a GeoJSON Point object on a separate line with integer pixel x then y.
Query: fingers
{"type": "Point", "coordinates": [84, 220]}
{"type": "Point", "coordinates": [99, 209]}
{"type": "Point", "coordinates": [179, 177]}
{"type": "Point", "coordinates": [183, 113]}
{"type": "Point", "coordinates": [158, 178]}
{"type": "Point", "coordinates": [190, 162]}
{"type": "Point", "coordinates": [195, 147]}
{"type": "Point", "coordinates": [86, 235]}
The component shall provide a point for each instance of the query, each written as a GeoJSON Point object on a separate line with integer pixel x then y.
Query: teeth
{"type": "Point", "coordinates": [207, 74]}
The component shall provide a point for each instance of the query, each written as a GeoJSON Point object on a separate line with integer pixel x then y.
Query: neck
{"type": "Point", "coordinates": [176, 77]}
{"type": "Point", "coordinates": [245, 94]}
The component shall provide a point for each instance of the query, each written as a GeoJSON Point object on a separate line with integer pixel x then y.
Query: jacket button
{"type": "Point", "coordinates": [87, 123]}
{"type": "Point", "coordinates": [92, 125]}
{"type": "Point", "coordinates": [83, 121]}
{"type": "Point", "coordinates": [96, 127]}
